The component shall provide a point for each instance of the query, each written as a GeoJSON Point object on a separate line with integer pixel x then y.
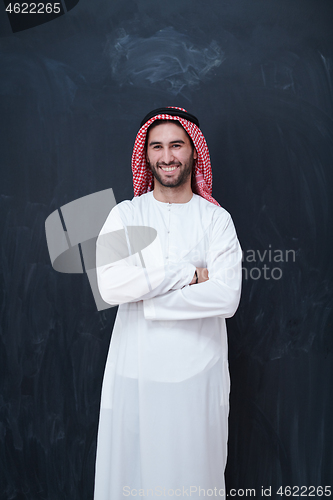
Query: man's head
{"type": "Point", "coordinates": [143, 178]}
{"type": "Point", "coordinates": [170, 153]}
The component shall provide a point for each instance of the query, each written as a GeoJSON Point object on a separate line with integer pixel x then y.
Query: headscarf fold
{"type": "Point", "coordinates": [143, 179]}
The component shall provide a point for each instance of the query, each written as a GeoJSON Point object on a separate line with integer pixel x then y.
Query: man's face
{"type": "Point", "coordinates": [170, 155]}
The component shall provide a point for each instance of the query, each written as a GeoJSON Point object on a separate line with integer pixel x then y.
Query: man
{"type": "Point", "coordinates": [164, 406]}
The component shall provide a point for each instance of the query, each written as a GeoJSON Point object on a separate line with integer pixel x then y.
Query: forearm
{"type": "Point", "coordinates": [203, 300]}
{"type": "Point", "coordinates": [119, 284]}
{"type": "Point", "coordinates": [218, 296]}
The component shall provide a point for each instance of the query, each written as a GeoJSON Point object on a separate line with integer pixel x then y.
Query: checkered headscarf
{"type": "Point", "coordinates": [142, 175]}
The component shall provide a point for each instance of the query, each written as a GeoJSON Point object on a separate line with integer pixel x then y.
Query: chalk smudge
{"type": "Point", "coordinates": [167, 58]}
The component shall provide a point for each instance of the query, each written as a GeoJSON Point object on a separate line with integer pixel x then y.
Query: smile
{"type": "Point", "coordinates": [168, 169]}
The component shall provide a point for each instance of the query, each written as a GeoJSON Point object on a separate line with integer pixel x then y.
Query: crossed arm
{"type": "Point", "coordinates": [163, 288]}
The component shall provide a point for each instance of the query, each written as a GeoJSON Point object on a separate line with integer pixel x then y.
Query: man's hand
{"type": "Point", "coordinates": [202, 275]}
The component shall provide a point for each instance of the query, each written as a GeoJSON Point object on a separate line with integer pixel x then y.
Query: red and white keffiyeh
{"type": "Point", "coordinates": [143, 180]}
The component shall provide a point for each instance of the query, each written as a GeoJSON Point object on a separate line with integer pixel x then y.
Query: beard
{"type": "Point", "coordinates": [185, 171]}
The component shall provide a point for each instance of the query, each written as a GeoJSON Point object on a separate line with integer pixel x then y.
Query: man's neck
{"type": "Point", "coordinates": [183, 194]}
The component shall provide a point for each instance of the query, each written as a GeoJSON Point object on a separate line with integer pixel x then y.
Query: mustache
{"type": "Point", "coordinates": [171, 163]}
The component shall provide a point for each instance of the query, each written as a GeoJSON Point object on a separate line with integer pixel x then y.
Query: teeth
{"type": "Point", "coordinates": [168, 169]}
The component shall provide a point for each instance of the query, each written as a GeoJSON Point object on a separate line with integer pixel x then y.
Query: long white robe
{"type": "Point", "coordinates": [165, 398]}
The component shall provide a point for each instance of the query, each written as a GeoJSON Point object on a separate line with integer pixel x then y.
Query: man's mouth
{"type": "Point", "coordinates": [169, 169]}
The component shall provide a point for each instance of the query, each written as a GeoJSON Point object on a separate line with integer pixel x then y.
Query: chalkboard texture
{"type": "Point", "coordinates": [258, 74]}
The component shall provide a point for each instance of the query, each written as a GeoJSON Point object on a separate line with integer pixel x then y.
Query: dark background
{"type": "Point", "coordinates": [258, 74]}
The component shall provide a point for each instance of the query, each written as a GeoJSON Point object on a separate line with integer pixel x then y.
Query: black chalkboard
{"type": "Point", "coordinates": [258, 74]}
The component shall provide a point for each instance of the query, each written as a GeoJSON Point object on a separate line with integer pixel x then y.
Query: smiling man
{"type": "Point", "coordinates": [164, 407]}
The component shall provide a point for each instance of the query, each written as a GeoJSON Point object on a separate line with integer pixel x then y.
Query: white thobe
{"type": "Point", "coordinates": [165, 397]}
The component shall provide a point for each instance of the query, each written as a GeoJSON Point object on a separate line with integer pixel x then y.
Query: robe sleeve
{"type": "Point", "coordinates": [219, 296]}
{"type": "Point", "coordinates": [124, 277]}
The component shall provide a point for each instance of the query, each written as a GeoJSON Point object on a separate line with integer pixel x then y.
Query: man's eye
{"type": "Point", "coordinates": [176, 145]}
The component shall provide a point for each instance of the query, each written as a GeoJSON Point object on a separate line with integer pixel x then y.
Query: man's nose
{"type": "Point", "coordinates": [167, 155]}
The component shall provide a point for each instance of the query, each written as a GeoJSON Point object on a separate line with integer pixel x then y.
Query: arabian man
{"type": "Point", "coordinates": [165, 399]}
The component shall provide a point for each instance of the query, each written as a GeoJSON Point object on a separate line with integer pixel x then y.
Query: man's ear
{"type": "Point", "coordinates": [195, 154]}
